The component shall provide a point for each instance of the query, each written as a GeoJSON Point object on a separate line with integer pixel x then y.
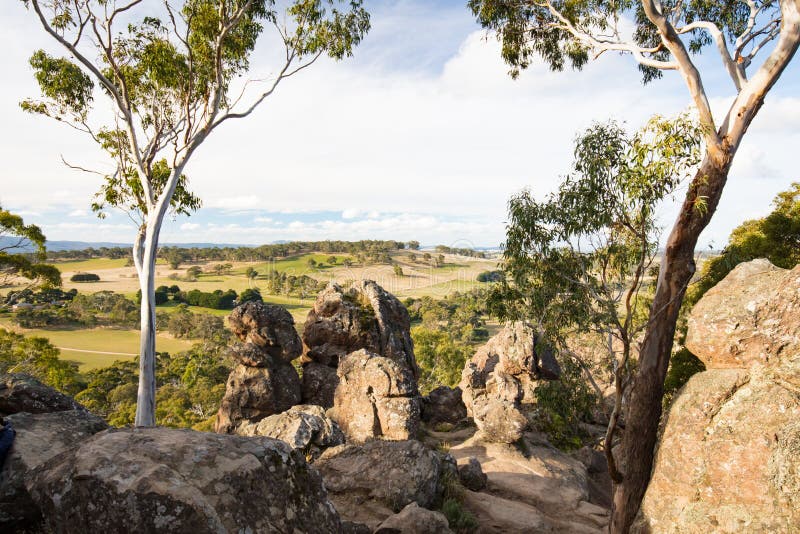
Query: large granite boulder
{"type": "Point", "coordinates": [501, 375]}
{"type": "Point", "coordinates": [253, 393]}
{"type": "Point", "coordinates": [39, 437]}
{"type": "Point", "coordinates": [368, 483]}
{"type": "Point", "coordinates": [729, 456]}
{"type": "Point", "coordinates": [269, 327]}
{"type": "Point", "coordinates": [319, 384]}
{"type": "Point", "coordinates": [170, 480]}
{"type": "Point", "coordinates": [344, 320]}
{"type": "Point", "coordinates": [443, 405]}
{"type": "Point", "coordinates": [24, 393]}
{"type": "Point", "coordinates": [376, 397]}
{"type": "Point", "coordinates": [304, 427]}
{"type": "Point", "coordinates": [752, 315]}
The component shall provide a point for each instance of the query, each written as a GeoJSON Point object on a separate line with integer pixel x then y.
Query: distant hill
{"type": "Point", "coordinates": [56, 246]}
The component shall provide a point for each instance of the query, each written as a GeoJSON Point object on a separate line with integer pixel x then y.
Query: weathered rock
{"type": "Point", "coordinates": [23, 393]}
{"type": "Point", "coordinates": [253, 393]}
{"type": "Point", "coordinates": [752, 315]}
{"type": "Point", "coordinates": [364, 316]}
{"type": "Point", "coordinates": [304, 427]}
{"type": "Point", "coordinates": [268, 327]}
{"type": "Point", "coordinates": [471, 475]}
{"type": "Point", "coordinates": [443, 405]}
{"type": "Point", "coordinates": [376, 397]}
{"type": "Point", "coordinates": [501, 375]}
{"type": "Point", "coordinates": [40, 437]}
{"type": "Point", "coordinates": [542, 490]}
{"type": "Point", "coordinates": [368, 483]}
{"type": "Point", "coordinates": [169, 480]}
{"type": "Point", "coordinates": [729, 457]}
{"type": "Point", "coordinates": [414, 520]}
{"type": "Point", "coordinates": [350, 527]}
{"type": "Point", "coordinates": [495, 404]}
{"type": "Point", "coordinates": [319, 384]}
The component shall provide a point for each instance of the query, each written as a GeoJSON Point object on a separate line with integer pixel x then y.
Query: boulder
{"type": "Point", "coordinates": [443, 405]}
{"type": "Point", "coordinates": [729, 457]}
{"type": "Point", "coordinates": [501, 375]}
{"type": "Point", "coordinates": [40, 437]}
{"type": "Point", "coordinates": [414, 520]}
{"type": "Point", "coordinates": [268, 327]}
{"type": "Point", "coordinates": [752, 315]}
{"type": "Point", "coordinates": [368, 483]}
{"type": "Point", "coordinates": [253, 393]}
{"type": "Point", "coordinates": [376, 397]}
{"type": "Point", "coordinates": [24, 393]}
{"type": "Point", "coordinates": [495, 404]}
{"type": "Point", "coordinates": [304, 427]}
{"type": "Point", "coordinates": [364, 316]}
{"type": "Point", "coordinates": [471, 475]}
{"type": "Point", "coordinates": [319, 384]}
{"type": "Point", "coordinates": [170, 480]}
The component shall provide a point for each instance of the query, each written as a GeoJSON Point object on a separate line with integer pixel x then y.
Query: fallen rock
{"type": "Point", "coordinates": [752, 315]}
{"type": "Point", "coordinates": [501, 375]}
{"type": "Point", "coordinates": [414, 520]}
{"type": "Point", "coordinates": [319, 384]}
{"type": "Point", "coordinates": [170, 480]}
{"type": "Point", "coordinates": [267, 326]}
{"type": "Point", "coordinates": [40, 437]}
{"type": "Point", "coordinates": [24, 393]}
{"type": "Point", "coordinates": [729, 457]}
{"type": "Point", "coordinates": [376, 397]}
{"type": "Point", "coordinates": [471, 475]}
{"type": "Point", "coordinates": [253, 393]}
{"type": "Point", "coordinates": [368, 483]}
{"type": "Point", "coordinates": [304, 427]}
{"type": "Point", "coordinates": [443, 405]}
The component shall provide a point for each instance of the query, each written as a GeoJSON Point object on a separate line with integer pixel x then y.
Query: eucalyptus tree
{"type": "Point", "coordinates": [578, 260]}
{"type": "Point", "coordinates": [755, 41]}
{"type": "Point", "coordinates": [172, 73]}
{"type": "Point", "coordinates": [22, 252]}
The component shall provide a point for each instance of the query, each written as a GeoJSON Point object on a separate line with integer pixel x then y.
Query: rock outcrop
{"type": "Point", "coordinates": [169, 480]}
{"type": "Point", "coordinates": [304, 427]}
{"type": "Point", "coordinates": [471, 475]}
{"type": "Point", "coordinates": [264, 382]}
{"type": "Point", "coordinates": [540, 490]}
{"type": "Point", "coordinates": [23, 393]}
{"type": "Point", "coordinates": [363, 316]}
{"type": "Point", "coordinates": [39, 437]}
{"type": "Point", "coordinates": [368, 483]}
{"type": "Point", "coordinates": [375, 397]}
{"type": "Point", "coordinates": [729, 457]}
{"type": "Point", "coordinates": [752, 315]}
{"type": "Point", "coordinates": [501, 375]}
{"type": "Point", "coordinates": [414, 520]}
{"type": "Point", "coordinates": [443, 405]}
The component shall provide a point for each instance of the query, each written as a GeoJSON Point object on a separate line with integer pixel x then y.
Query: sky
{"type": "Point", "coordinates": [421, 135]}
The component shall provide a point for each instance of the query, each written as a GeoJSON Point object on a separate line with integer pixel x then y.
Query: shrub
{"type": "Point", "coordinates": [84, 277]}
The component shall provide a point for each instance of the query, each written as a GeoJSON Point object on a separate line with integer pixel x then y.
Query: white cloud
{"type": "Point", "coordinates": [188, 227]}
{"type": "Point", "coordinates": [78, 213]}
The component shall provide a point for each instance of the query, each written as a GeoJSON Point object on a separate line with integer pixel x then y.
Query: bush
{"type": "Point", "coordinates": [84, 277]}
{"type": "Point", "coordinates": [250, 295]}
{"type": "Point", "coordinates": [491, 276]}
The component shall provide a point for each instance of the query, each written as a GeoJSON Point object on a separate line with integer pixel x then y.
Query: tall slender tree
{"type": "Point", "coordinates": [755, 41]}
{"type": "Point", "coordinates": [173, 74]}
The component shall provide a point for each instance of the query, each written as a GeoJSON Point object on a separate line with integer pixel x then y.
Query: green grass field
{"type": "Point", "coordinates": [90, 265]}
{"type": "Point", "coordinates": [92, 348]}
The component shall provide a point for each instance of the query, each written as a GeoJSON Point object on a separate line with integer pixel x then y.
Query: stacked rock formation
{"type": "Point", "coordinates": [264, 382]}
{"type": "Point", "coordinates": [359, 359]}
{"type": "Point", "coordinates": [729, 458]}
{"type": "Point", "coordinates": [502, 374]}
{"type": "Point", "coordinates": [363, 316]}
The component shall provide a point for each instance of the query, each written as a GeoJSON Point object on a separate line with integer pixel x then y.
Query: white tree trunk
{"type": "Point", "coordinates": [146, 397]}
